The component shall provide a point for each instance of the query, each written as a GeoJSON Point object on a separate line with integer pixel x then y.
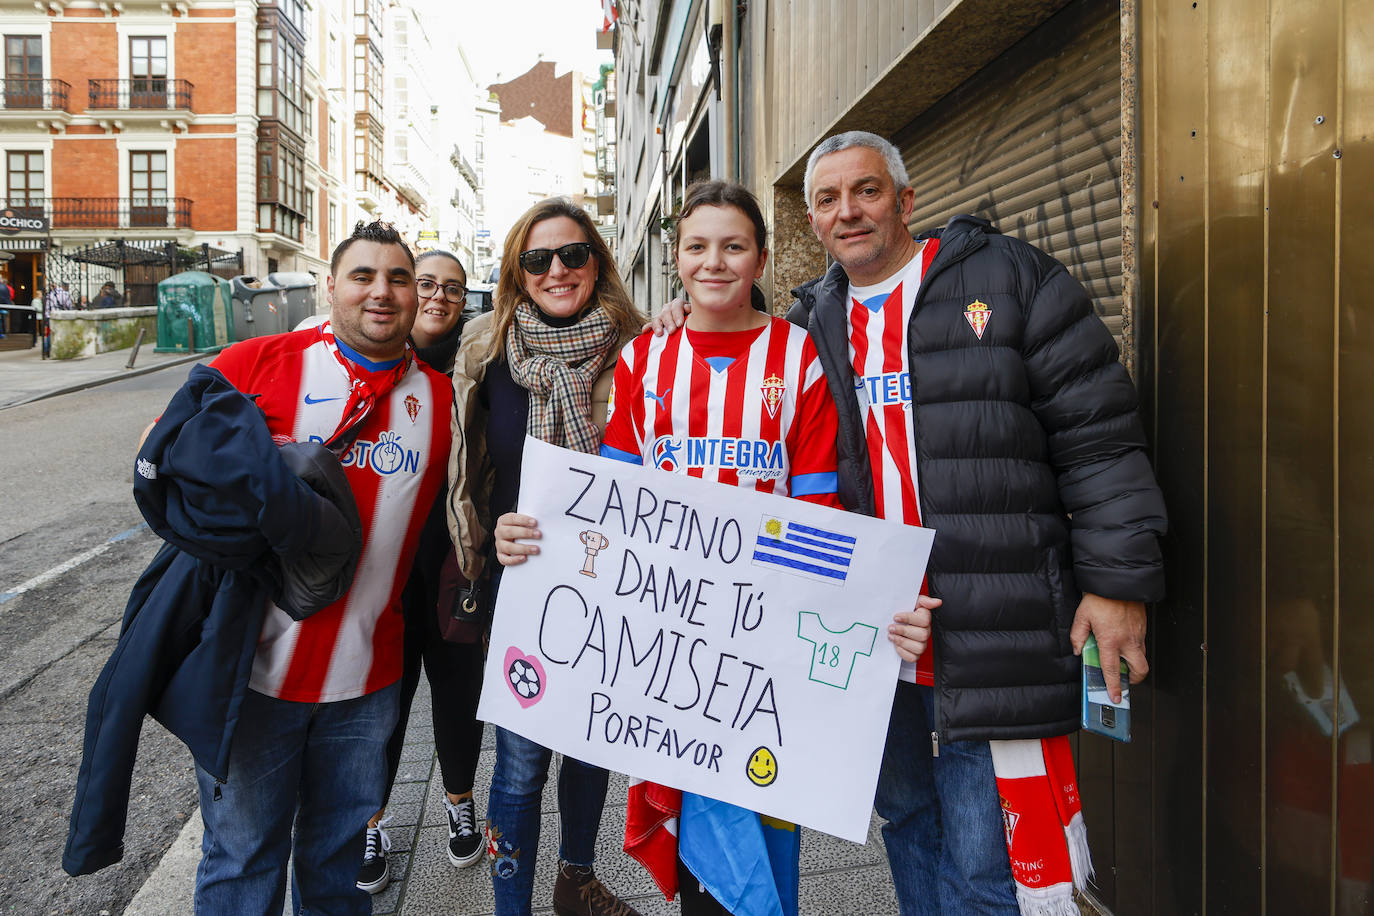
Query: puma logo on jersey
{"type": "Point", "coordinates": [660, 398]}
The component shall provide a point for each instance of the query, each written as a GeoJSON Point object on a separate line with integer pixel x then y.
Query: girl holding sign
{"type": "Point", "coordinates": [539, 364]}
{"type": "Point", "coordinates": [737, 376]}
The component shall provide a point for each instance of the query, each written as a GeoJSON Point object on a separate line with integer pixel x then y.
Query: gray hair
{"type": "Point", "coordinates": [847, 140]}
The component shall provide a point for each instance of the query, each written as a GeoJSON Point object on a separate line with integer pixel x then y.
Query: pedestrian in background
{"type": "Point", "coordinates": [541, 363]}
{"type": "Point", "coordinates": [61, 299]}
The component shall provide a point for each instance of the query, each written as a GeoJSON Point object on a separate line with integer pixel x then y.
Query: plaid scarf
{"type": "Point", "coordinates": [558, 366]}
{"type": "Point", "coordinates": [1046, 839]}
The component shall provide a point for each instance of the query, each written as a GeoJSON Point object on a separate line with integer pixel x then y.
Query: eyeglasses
{"type": "Point", "coordinates": [452, 291]}
{"type": "Point", "coordinates": [539, 260]}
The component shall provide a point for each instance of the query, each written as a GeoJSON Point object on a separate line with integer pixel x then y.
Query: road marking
{"type": "Point", "coordinates": [69, 564]}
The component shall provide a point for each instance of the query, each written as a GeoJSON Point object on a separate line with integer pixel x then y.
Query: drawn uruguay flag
{"type": "Point", "coordinates": [803, 550]}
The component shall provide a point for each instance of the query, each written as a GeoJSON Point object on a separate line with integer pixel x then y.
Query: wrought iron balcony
{"type": "Point", "coordinates": [106, 212]}
{"type": "Point", "coordinates": [34, 95]}
{"type": "Point", "coordinates": [142, 94]}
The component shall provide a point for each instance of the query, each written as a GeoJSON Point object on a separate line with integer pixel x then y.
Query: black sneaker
{"type": "Point", "coordinates": [465, 844]}
{"type": "Point", "coordinates": [375, 874]}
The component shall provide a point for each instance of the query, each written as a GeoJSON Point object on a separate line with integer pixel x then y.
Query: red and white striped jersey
{"type": "Point", "coordinates": [396, 466]}
{"type": "Point", "coordinates": [765, 421]}
{"type": "Point", "coordinates": [879, 318]}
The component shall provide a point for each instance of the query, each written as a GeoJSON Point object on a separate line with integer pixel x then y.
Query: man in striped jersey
{"type": "Point", "coordinates": [308, 755]}
{"type": "Point", "coordinates": [980, 395]}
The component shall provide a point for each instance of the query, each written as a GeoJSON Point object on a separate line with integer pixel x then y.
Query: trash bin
{"type": "Point", "coordinates": [201, 299]}
{"type": "Point", "coordinates": [258, 308]}
{"type": "Point", "coordinates": [299, 293]}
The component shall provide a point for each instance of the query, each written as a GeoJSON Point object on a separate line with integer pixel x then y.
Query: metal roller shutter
{"type": "Point", "coordinates": [1032, 142]}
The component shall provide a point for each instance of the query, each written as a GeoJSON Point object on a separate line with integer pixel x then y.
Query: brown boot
{"type": "Point", "coordinates": [578, 892]}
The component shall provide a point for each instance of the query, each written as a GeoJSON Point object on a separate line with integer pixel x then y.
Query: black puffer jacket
{"type": "Point", "coordinates": [1032, 470]}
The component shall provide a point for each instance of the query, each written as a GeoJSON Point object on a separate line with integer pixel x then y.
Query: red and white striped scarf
{"type": "Point", "coordinates": [1046, 839]}
{"type": "Point", "coordinates": [1036, 785]}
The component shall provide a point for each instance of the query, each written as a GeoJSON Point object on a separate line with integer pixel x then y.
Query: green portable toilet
{"type": "Point", "coordinates": [194, 313]}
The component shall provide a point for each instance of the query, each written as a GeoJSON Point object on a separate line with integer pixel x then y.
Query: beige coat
{"type": "Point", "coordinates": [470, 473]}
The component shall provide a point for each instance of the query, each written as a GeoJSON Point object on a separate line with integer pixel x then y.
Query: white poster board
{"type": "Point", "coordinates": [721, 641]}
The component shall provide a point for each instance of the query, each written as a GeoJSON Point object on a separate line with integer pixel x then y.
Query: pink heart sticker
{"type": "Point", "coordinates": [525, 677]}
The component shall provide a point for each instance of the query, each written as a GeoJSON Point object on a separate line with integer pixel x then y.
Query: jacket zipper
{"type": "Point", "coordinates": [935, 268]}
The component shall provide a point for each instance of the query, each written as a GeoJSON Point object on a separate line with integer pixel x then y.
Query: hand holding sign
{"type": "Point", "coordinates": [717, 640]}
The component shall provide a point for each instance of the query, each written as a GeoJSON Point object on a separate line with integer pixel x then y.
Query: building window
{"type": "Point", "coordinates": [147, 72]}
{"type": "Point", "coordinates": [281, 73]}
{"type": "Point", "coordinates": [333, 217]}
{"type": "Point", "coordinates": [309, 211]}
{"type": "Point", "coordinates": [308, 113]}
{"type": "Point", "coordinates": [294, 11]}
{"type": "Point", "coordinates": [24, 182]}
{"type": "Point", "coordinates": [367, 79]}
{"type": "Point", "coordinates": [367, 151]}
{"type": "Point", "coordinates": [367, 19]}
{"type": "Point", "coordinates": [148, 188]}
{"type": "Point", "coordinates": [333, 142]}
{"type": "Point", "coordinates": [23, 71]}
{"type": "Point", "coordinates": [281, 198]}
{"type": "Point", "coordinates": [292, 165]}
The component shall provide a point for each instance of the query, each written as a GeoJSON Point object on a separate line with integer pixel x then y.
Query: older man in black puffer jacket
{"type": "Point", "coordinates": [980, 395]}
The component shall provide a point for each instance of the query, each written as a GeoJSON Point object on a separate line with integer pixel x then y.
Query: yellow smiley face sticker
{"type": "Point", "coordinates": [762, 768]}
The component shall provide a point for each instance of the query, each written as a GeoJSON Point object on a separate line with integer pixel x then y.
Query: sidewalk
{"type": "Point", "coordinates": [25, 376]}
{"type": "Point", "coordinates": [836, 877]}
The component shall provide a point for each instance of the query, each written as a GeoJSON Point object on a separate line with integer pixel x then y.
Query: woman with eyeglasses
{"type": "Point", "coordinates": [540, 364]}
{"type": "Point", "coordinates": [454, 668]}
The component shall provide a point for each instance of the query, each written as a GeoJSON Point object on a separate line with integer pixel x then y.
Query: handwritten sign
{"type": "Point", "coordinates": [721, 641]}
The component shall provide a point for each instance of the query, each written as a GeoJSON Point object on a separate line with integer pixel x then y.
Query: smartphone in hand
{"type": "Point", "coordinates": [1100, 714]}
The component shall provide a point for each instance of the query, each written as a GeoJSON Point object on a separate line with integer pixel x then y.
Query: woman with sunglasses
{"type": "Point", "coordinates": [540, 364]}
{"type": "Point", "coordinates": [454, 668]}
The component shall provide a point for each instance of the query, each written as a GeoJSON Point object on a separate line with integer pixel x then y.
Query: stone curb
{"type": "Point", "coordinates": [113, 377]}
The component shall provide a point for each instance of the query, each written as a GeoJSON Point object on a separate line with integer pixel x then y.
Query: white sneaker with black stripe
{"type": "Point", "coordinates": [465, 845]}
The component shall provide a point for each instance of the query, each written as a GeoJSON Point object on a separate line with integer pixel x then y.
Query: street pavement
{"type": "Point", "coordinates": [25, 376]}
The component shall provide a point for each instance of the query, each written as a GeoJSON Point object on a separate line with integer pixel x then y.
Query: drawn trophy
{"type": "Point", "coordinates": [595, 542]}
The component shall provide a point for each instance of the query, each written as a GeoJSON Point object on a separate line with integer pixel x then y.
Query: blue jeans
{"type": "Point", "coordinates": [517, 785]}
{"type": "Point", "coordinates": [321, 765]}
{"type": "Point", "coordinates": [962, 869]}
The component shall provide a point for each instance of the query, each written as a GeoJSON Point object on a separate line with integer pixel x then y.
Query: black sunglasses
{"type": "Point", "coordinates": [539, 260]}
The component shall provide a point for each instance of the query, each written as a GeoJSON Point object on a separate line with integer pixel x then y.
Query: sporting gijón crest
{"type": "Point", "coordinates": [772, 389]}
{"type": "Point", "coordinates": [978, 314]}
{"type": "Point", "coordinates": [412, 406]}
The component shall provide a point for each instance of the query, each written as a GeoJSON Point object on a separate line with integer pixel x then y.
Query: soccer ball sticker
{"type": "Point", "coordinates": [525, 677]}
{"type": "Point", "coordinates": [524, 680]}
